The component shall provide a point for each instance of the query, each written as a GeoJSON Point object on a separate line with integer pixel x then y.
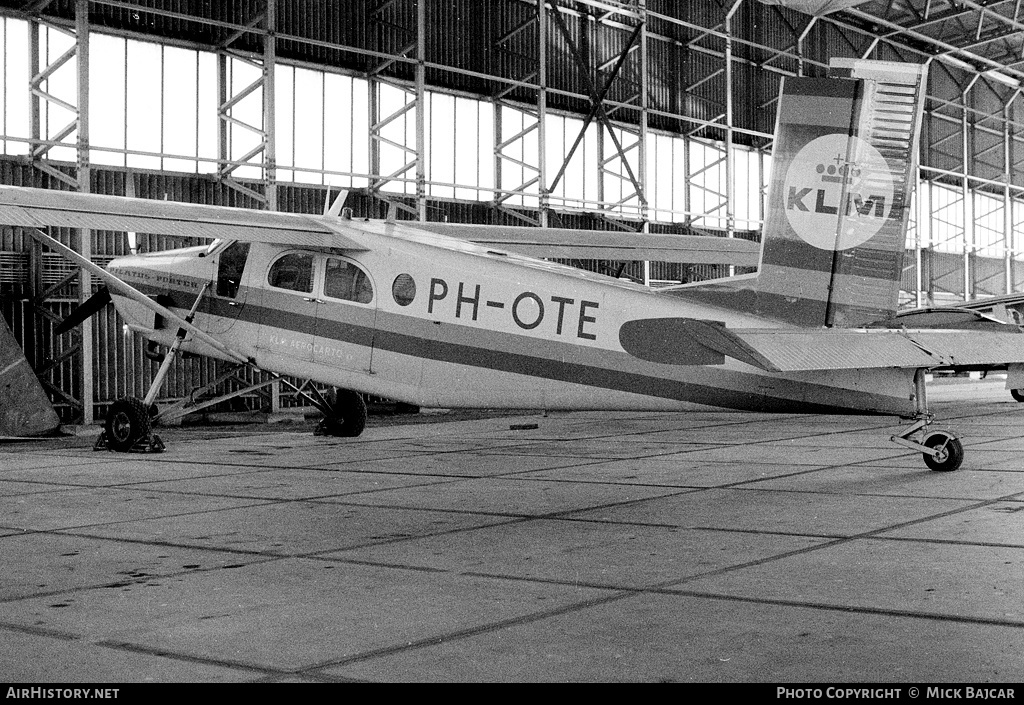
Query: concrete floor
{"type": "Point", "coordinates": [706, 546]}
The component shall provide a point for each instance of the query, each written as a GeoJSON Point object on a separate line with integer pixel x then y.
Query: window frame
{"type": "Point", "coordinates": [312, 275]}
{"type": "Point", "coordinates": [322, 273]}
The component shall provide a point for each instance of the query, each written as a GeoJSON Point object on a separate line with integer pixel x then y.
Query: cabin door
{"type": "Point", "coordinates": [346, 315]}
{"type": "Point", "coordinates": [227, 299]}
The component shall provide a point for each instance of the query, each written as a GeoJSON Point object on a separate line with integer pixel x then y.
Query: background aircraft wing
{"type": "Point", "coordinates": [1008, 308]}
{"type": "Point", "coordinates": [600, 244]}
{"type": "Point", "coordinates": [38, 208]}
{"type": "Point", "coordinates": [803, 350]}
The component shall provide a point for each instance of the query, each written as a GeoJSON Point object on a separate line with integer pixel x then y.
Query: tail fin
{"type": "Point", "coordinates": [843, 169]}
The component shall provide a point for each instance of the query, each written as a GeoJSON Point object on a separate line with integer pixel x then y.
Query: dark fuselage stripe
{"type": "Point", "coordinates": [610, 375]}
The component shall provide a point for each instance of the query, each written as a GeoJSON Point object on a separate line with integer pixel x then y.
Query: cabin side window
{"type": "Point", "coordinates": [293, 271]}
{"type": "Point", "coordinates": [230, 267]}
{"type": "Point", "coordinates": [344, 280]}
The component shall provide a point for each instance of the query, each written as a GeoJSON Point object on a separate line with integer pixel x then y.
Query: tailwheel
{"type": "Point", "coordinates": [942, 451]}
{"type": "Point", "coordinates": [128, 427]}
{"type": "Point", "coordinates": [948, 452]}
{"type": "Point", "coordinates": [347, 418]}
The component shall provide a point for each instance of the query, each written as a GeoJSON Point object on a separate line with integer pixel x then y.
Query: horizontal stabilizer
{"type": "Point", "coordinates": [41, 208]}
{"type": "Point", "coordinates": [803, 350]}
{"type": "Point", "coordinates": [792, 351]}
{"type": "Point", "coordinates": [599, 244]}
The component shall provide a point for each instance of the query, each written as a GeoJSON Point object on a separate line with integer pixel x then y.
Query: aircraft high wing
{"type": "Point", "coordinates": [441, 315]}
{"type": "Point", "coordinates": [37, 208]}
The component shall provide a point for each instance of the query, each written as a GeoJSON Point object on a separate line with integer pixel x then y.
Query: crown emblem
{"type": "Point", "coordinates": [841, 172]}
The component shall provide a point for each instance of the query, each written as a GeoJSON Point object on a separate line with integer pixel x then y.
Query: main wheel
{"type": "Point", "coordinates": [951, 452]}
{"type": "Point", "coordinates": [126, 424]}
{"type": "Point", "coordinates": [1017, 394]}
{"type": "Point", "coordinates": [349, 417]}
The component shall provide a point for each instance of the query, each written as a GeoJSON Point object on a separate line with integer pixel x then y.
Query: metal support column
{"type": "Point", "coordinates": [400, 27]}
{"type": "Point", "coordinates": [84, 181]}
{"type": "Point", "coordinates": [645, 80]}
{"type": "Point", "coordinates": [730, 144]}
{"type": "Point", "coordinates": [421, 110]}
{"type": "Point", "coordinates": [1008, 249]}
{"type": "Point", "coordinates": [258, 162]}
{"type": "Point", "coordinates": [628, 209]}
{"type": "Point", "coordinates": [520, 49]}
{"type": "Point", "coordinates": [47, 140]}
{"type": "Point", "coordinates": [269, 109]}
{"type": "Point", "coordinates": [969, 242]}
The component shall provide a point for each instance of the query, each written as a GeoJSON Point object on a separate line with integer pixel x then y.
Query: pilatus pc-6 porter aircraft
{"type": "Point", "coordinates": [439, 315]}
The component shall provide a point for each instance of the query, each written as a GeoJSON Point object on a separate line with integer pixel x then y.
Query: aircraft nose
{"type": "Point", "coordinates": [132, 269]}
{"type": "Point", "coordinates": [123, 262]}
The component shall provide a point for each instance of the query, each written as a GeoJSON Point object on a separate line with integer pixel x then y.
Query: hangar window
{"type": "Point", "coordinates": [293, 271]}
{"type": "Point", "coordinates": [344, 280]}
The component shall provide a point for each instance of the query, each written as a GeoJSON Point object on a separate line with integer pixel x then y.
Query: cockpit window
{"type": "Point", "coordinates": [344, 280]}
{"type": "Point", "coordinates": [293, 271]}
{"type": "Point", "coordinates": [229, 269]}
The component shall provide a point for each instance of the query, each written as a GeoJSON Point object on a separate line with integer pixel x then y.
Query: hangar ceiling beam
{"type": "Point", "coordinates": [946, 49]}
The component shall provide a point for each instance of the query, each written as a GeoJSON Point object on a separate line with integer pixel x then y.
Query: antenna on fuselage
{"type": "Point", "coordinates": [333, 209]}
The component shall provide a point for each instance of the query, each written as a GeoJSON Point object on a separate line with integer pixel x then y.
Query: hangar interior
{"type": "Point", "coordinates": [634, 116]}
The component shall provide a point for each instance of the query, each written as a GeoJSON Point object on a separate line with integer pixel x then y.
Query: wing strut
{"type": "Point", "coordinates": [158, 379]}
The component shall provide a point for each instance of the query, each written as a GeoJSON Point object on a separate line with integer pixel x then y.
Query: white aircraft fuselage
{"type": "Point", "coordinates": [454, 324]}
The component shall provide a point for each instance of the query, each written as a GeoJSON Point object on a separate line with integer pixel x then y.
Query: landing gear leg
{"type": "Point", "coordinates": [129, 426]}
{"type": "Point", "coordinates": [942, 451]}
{"type": "Point", "coordinates": [345, 415]}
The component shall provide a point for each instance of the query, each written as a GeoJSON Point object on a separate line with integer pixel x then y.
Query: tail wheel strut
{"type": "Point", "coordinates": [942, 451]}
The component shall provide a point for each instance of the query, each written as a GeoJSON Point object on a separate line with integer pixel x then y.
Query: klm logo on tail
{"type": "Point", "coordinates": [834, 232]}
{"type": "Point", "coordinates": [838, 192]}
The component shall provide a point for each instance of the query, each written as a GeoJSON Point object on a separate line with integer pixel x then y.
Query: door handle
{"type": "Point", "coordinates": [312, 300]}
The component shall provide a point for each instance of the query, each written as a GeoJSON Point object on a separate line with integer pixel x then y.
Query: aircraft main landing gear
{"type": "Point", "coordinates": [345, 416]}
{"type": "Point", "coordinates": [128, 428]}
{"type": "Point", "coordinates": [942, 451]}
